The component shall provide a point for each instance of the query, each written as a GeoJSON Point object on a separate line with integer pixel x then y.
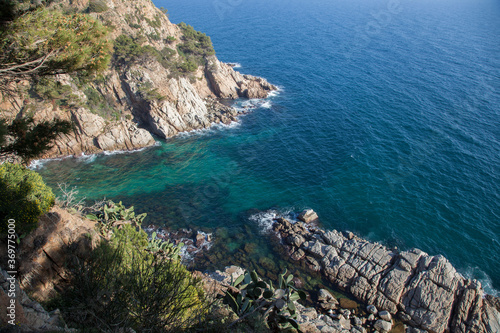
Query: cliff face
{"type": "Point", "coordinates": [138, 97]}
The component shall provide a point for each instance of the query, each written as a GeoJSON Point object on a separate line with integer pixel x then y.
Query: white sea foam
{"type": "Point", "coordinates": [234, 64]}
{"type": "Point", "coordinates": [274, 93]}
{"type": "Point", "coordinates": [38, 164]}
{"type": "Point", "coordinates": [119, 152]}
{"type": "Point", "coordinates": [264, 220]}
{"type": "Point", "coordinates": [486, 282]}
{"type": "Point", "coordinates": [214, 127]}
{"type": "Point", "coordinates": [87, 158]}
{"type": "Point", "coordinates": [266, 105]}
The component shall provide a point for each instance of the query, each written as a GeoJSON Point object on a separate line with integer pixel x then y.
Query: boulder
{"type": "Point", "coordinates": [298, 255]}
{"type": "Point", "coordinates": [308, 216]}
{"type": "Point", "coordinates": [385, 315]}
{"type": "Point", "coordinates": [325, 296]}
{"type": "Point", "coordinates": [382, 326]}
{"type": "Point", "coordinates": [371, 309]}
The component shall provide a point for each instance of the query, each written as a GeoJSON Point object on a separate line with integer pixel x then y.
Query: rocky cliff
{"type": "Point", "coordinates": [155, 89]}
{"type": "Point", "coordinates": [424, 291]}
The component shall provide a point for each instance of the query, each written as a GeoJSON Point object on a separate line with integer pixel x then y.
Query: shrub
{"type": "Point", "coordinates": [154, 36]}
{"type": "Point", "coordinates": [123, 285]}
{"type": "Point", "coordinates": [50, 89]}
{"type": "Point", "coordinates": [189, 66]}
{"type": "Point", "coordinates": [128, 50]}
{"type": "Point", "coordinates": [195, 42]}
{"type": "Point", "coordinates": [97, 6]}
{"type": "Point", "coordinates": [24, 197]}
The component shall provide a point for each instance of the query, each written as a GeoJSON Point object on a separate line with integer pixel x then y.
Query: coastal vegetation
{"type": "Point", "coordinates": [251, 294]}
{"type": "Point", "coordinates": [36, 43]}
{"type": "Point", "coordinates": [48, 42]}
{"type": "Point", "coordinates": [124, 283]}
{"type": "Point", "coordinates": [24, 197]}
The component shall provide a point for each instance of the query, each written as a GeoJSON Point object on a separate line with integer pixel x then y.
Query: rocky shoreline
{"type": "Point", "coordinates": [423, 291]}
{"type": "Point", "coordinates": [129, 105]}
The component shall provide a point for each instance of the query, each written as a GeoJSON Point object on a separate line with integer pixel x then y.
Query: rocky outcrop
{"type": "Point", "coordinates": [424, 291]}
{"type": "Point", "coordinates": [44, 255]}
{"type": "Point", "coordinates": [27, 315]}
{"type": "Point", "coordinates": [228, 83]}
{"type": "Point", "coordinates": [130, 103]}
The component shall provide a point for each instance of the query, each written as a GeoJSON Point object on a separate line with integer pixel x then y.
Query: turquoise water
{"type": "Point", "coordinates": [387, 124]}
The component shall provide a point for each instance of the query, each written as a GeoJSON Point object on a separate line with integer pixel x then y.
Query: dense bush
{"type": "Point", "coordinates": [47, 88]}
{"type": "Point", "coordinates": [97, 6]}
{"type": "Point", "coordinates": [24, 197]}
{"type": "Point", "coordinates": [170, 39]}
{"type": "Point", "coordinates": [195, 43]}
{"type": "Point", "coordinates": [128, 50]}
{"type": "Point", "coordinates": [123, 285]}
{"type": "Point", "coordinates": [48, 42]}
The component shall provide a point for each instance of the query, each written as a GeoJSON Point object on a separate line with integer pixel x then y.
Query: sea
{"type": "Point", "coordinates": [386, 123]}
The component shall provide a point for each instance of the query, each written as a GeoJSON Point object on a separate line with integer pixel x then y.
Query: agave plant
{"type": "Point", "coordinates": [251, 294]}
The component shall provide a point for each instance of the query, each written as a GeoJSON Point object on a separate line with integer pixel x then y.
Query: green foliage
{"type": "Point", "coordinates": [29, 140]}
{"type": "Point", "coordinates": [128, 50]}
{"type": "Point", "coordinates": [24, 197]}
{"type": "Point", "coordinates": [164, 11]}
{"type": "Point", "coordinates": [98, 103]}
{"type": "Point", "coordinates": [170, 39]}
{"type": "Point", "coordinates": [165, 56]}
{"type": "Point", "coordinates": [122, 285]}
{"type": "Point", "coordinates": [189, 66]}
{"type": "Point", "coordinates": [156, 23]}
{"type": "Point", "coordinates": [254, 295]}
{"type": "Point", "coordinates": [115, 214]}
{"type": "Point", "coordinates": [150, 94]}
{"type": "Point", "coordinates": [154, 36]}
{"type": "Point", "coordinates": [47, 88]}
{"type": "Point", "coordinates": [165, 247]}
{"type": "Point", "coordinates": [195, 42]}
{"type": "Point", "coordinates": [47, 42]}
{"type": "Point", "coordinates": [97, 6]}
{"type": "Point", "coordinates": [135, 25]}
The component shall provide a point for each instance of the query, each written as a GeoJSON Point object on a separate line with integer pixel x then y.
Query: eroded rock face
{"type": "Point", "coordinates": [424, 291]}
{"type": "Point", "coordinates": [30, 316]}
{"type": "Point", "coordinates": [143, 98]}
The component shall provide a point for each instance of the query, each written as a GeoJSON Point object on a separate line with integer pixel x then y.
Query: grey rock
{"type": "Point", "coordinates": [358, 329]}
{"type": "Point", "coordinates": [310, 313]}
{"type": "Point", "coordinates": [382, 326]}
{"type": "Point", "coordinates": [325, 296]}
{"type": "Point", "coordinates": [298, 255]}
{"type": "Point", "coordinates": [422, 289]}
{"type": "Point", "coordinates": [345, 323]}
{"type": "Point", "coordinates": [357, 321]}
{"type": "Point", "coordinates": [296, 240]}
{"type": "Point", "coordinates": [308, 216]}
{"type": "Point", "coordinates": [385, 315]}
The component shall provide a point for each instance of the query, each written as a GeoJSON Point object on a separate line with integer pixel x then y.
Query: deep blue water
{"type": "Point", "coordinates": [387, 124]}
